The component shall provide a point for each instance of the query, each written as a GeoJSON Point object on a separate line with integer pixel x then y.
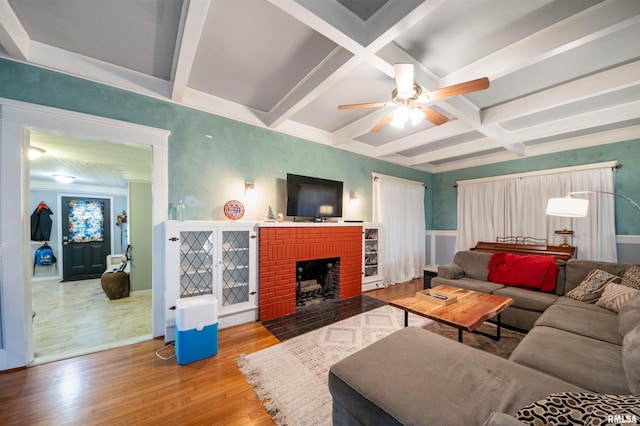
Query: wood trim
{"type": "Point", "coordinates": [560, 253]}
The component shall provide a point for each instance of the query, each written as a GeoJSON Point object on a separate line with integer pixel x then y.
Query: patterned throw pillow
{"type": "Point", "coordinates": [614, 296]}
{"type": "Point", "coordinates": [592, 286]}
{"type": "Point", "coordinates": [581, 408]}
{"type": "Point", "coordinates": [631, 277]}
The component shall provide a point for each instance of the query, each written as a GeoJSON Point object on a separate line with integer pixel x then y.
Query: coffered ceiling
{"type": "Point", "coordinates": [564, 73]}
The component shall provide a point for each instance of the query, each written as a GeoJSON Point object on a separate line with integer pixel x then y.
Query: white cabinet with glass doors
{"type": "Point", "coordinates": [371, 257]}
{"type": "Point", "coordinates": [210, 257]}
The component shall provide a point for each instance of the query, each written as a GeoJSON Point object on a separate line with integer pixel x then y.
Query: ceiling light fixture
{"type": "Point", "coordinates": [64, 178]}
{"type": "Point", "coordinates": [35, 152]}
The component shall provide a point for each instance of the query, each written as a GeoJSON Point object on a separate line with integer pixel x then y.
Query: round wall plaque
{"type": "Point", "coordinates": [234, 209]}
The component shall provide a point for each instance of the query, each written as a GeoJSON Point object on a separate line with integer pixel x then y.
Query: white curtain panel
{"type": "Point", "coordinates": [516, 207]}
{"type": "Point", "coordinates": [399, 208]}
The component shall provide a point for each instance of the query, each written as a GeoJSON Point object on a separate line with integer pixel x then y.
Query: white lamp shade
{"type": "Point", "coordinates": [567, 207]}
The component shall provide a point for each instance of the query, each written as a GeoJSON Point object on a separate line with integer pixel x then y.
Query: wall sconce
{"type": "Point", "coordinates": [64, 178]}
{"type": "Point", "coordinates": [35, 152]}
{"type": "Point", "coordinates": [249, 189]}
{"type": "Point", "coordinates": [353, 199]}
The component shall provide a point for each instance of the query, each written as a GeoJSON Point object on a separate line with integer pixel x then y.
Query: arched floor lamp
{"type": "Point", "coordinates": [577, 207]}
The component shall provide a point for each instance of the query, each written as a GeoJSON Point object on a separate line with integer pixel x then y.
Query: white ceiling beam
{"type": "Point", "coordinates": [99, 71]}
{"type": "Point", "coordinates": [193, 17]}
{"type": "Point", "coordinates": [579, 122]}
{"type": "Point", "coordinates": [561, 145]}
{"type": "Point", "coordinates": [223, 107]}
{"type": "Point", "coordinates": [359, 127]}
{"type": "Point", "coordinates": [334, 67]}
{"type": "Point", "coordinates": [314, 85]}
{"type": "Point", "coordinates": [433, 134]}
{"type": "Point", "coordinates": [571, 33]}
{"type": "Point", "coordinates": [462, 149]}
{"type": "Point", "coordinates": [13, 37]}
{"type": "Point", "coordinates": [606, 81]}
{"type": "Point", "coordinates": [465, 111]}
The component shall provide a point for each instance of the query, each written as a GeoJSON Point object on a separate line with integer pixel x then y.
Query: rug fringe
{"type": "Point", "coordinates": [254, 378]}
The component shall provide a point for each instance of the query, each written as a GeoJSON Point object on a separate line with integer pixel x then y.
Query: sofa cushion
{"type": "Point", "coordinates": [563, 300]}
{"type": "Point", "coordinates": [413, 376]}
{"type": "Point", "coordinates": [577, 269]}
{"type": "Point", "coordinates": [451, 271]}
{"type": "Point", "coordinates": [528, 299]}
{"type": "Point", "coordinates": [629, 315]}
{"type": "Point", "coordinates": [474, 263]}
{"type": "Point", "coordinates": [615, 295]}
{"type": "Point", "coordinates": [631, 277]}
{"type": "Point", "coordinates": [537, 272]}
{"type": "Point", "coordinates": [468, 283]}
{"type": "Point", "coordinates": [591, 288]}
{"type": "Point", "coordinates": [631, 359]}
{"type": "Point", "coordinates": [579, 408]}
{"type": "Point", "coordinates": [597, 324]}
{"type": "Point", "coordinates": [590, 363]}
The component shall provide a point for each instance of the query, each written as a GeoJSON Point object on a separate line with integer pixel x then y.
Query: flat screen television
{"type": "Point", "coordinates": [313, 197]}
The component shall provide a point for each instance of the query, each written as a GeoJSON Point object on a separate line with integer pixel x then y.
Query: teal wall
{"type": "Point", "coordinates": [627, 180]}
{"type": "Point", "coordinates": [206, 172]}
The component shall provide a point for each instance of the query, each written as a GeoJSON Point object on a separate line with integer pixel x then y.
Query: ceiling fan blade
{"type": "Point", "coordinates": [404, 79]}
{"type": "Point", "coordinates": [433, 116]}
{"type": "Point", "coordinates": [382, 122]}
{"type": "Point", "coordinates": [365, 105]}
{"type": "Point", "coordinates": [457, 89]}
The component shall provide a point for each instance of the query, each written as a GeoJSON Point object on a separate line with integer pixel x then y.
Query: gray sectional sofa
{"type": "Point", "coordinates": [417, 377]}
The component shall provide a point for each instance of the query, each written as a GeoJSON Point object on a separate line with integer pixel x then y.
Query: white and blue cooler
{"type": "Point", "coordinates": [196, 328]}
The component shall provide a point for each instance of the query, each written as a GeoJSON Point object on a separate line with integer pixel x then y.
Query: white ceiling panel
{"type": "Point", "coordinates": [139, 35]}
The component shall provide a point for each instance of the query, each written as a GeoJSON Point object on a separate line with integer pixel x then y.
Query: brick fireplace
{"type": "Point", "coordinates": [280, 247]}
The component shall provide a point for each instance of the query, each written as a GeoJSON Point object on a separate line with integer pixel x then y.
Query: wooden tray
{"type": "Point", "coordinates": [435, 297]}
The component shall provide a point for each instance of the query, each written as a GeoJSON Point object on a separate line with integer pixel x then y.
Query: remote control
{"type": "Point", "coordinates": [438, 296]}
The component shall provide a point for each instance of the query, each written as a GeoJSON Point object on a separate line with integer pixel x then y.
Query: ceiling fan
{"type": "Point", "coordinates": [409, 96]}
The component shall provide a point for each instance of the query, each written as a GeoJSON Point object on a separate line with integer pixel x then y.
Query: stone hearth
{"type": "Point", "coordinates": [280, 247]}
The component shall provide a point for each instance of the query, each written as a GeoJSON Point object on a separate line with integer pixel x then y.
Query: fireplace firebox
{"type": "Point", "coordinates": [317, 280]}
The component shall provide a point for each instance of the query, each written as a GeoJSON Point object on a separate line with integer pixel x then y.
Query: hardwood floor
{"type": "Point", "coordinates": [131, 385]}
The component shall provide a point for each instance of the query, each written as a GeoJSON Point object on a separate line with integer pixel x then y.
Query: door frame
{"type": "Point", "coordinates": [17, 119]}
{"type": "Point", "coordinates": [80, 194]}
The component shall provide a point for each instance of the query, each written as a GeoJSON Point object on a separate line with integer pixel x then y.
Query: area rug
{"type": "Point", "coordinates": [291, 377]}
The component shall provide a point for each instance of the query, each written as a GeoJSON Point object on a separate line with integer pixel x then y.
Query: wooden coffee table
{"type": "Point", "coordinates": [468, 313]}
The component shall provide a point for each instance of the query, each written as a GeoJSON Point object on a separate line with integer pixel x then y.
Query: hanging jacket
{"type": "Point", "coordinates": [41, 223]}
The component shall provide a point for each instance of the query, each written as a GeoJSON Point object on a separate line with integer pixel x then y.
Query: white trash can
{"type": "Point", "coordinates": [196, 328]}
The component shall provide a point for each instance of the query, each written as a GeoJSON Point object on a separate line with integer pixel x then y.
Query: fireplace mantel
{"type": "Point", "coordinates": [306, 224]}
{"type": "Point", "coordinates": [282, 244]}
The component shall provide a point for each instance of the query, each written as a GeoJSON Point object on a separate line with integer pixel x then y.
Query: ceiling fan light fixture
{"type": "Point", "coordinates": [416, 116]}
{"type": "Point", "coordinates": [400, 117]}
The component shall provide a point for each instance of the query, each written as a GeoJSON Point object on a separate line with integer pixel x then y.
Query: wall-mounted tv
{"type": "Point", "coordinates": [313, 197]}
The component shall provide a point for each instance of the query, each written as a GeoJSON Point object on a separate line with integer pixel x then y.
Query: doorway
{"type": "Point", "coordinates": [86, 238]}
{"type": "Point", "coordinates": [84, 241]}
{"type": "Point", "coordinates": [19, 119]}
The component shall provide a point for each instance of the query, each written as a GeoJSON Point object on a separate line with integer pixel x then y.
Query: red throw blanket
{"type": "Point", "coordinates": [539, 272]}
